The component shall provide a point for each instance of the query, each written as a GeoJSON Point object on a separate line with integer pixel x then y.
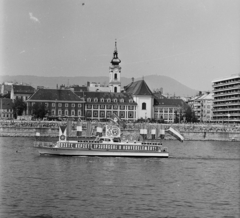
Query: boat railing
{"type": "Point", "coordinates": [42, 144]}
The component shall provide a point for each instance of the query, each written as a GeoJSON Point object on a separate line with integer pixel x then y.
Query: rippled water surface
{"type": "Point", "coordinates": [200, 179]}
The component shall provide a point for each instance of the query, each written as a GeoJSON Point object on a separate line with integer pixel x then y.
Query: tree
{"type": "Point", "coordinates": [190, 115]}
{"type": "Point", "coordinates": [18, 107]}
{"type": "Point", "coordinates": [39, 110]}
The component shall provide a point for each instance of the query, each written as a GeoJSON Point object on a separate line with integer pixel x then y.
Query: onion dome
{"type": "Point", "coordinates": [115, 60]}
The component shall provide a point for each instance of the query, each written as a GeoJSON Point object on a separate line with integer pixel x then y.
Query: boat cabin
{"type": "Point", "coordinates": [109, 140]}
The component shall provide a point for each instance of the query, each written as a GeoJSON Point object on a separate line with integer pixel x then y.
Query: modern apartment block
{"type": "Point", "coordinates": [226, 103]}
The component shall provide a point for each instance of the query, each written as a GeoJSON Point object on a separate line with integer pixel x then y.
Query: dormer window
{"type": "Point", "coordinates": [95, 100]}
{"type": "Point", "coordinates": [130, 101]}
{"type": "Point", "coordinates": [115, 100]}
{"type": "Point", "coordinates": [122, 100]}
{"type": "Point", "coordinates": [102, 100]}
{"type": "Point", "coordinates": [108, 100]}
{"type": "Point", "coordinates": [89, 99]}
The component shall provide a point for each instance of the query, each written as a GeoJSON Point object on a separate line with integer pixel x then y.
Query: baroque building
{"type": "Point", "coordinates": [60, 103]}
{"type": "Point", "coordinates": [143, 97]}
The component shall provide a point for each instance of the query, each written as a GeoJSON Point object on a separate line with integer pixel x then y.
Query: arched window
{"type": "Point", "coordinates": [143, 106]}
{"type": "Point", "coordinates": [115, 76]}
{"type": "Point", "coordinates": [115, 89]}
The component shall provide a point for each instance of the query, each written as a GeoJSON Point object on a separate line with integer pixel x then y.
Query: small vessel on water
{"type": "Point", "coordinates": [110, 145]}
{"type": "Point", "coordinates": [102, 146]}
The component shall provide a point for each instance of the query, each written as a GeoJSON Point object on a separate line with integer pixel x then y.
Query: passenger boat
{"type": "Point", "coordinates": [109, 145]}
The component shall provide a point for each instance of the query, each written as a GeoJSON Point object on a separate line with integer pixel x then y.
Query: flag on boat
{"type": "Point", "coordinates": [89, 129]}
{"type": "Point", "coordinates": [62, 133]}
{"type": "Point", "coordinates": [115, 119]}
{"type": "Point", "coordinates": [79, 128]}
{"type": "Point", "coordinates": [69, 127]}
{"type": "Point", "coordinates": [175, 133]}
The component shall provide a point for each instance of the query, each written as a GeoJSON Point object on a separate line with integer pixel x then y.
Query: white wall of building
{"type": "Point", "coordinates": [142, 113]}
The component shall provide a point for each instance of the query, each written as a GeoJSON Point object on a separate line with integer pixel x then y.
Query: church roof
{"type": "Point", "coordinates": [54, 95]}
{"type": "Point", "coordinates": [138, 88]}
{"type": "Point", "coordinates": [115, 60]}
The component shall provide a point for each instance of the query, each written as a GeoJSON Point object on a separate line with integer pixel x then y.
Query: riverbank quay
{"type": "Point", "coordinates": [191, 132]}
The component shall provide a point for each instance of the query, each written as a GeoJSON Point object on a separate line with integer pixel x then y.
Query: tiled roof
{"type": "Point", "coordinates": [23, 89]}
{"type": "Point", "coordinates": [171, 102]}
{"type": "Point", "coordinates": [138, 88]}
{"type": "Point", "coordinates": [54, 94]}
{"type": "Point", "coordinates": [107, 95]}
{"type": "Point", "coordinates": [6, 103]}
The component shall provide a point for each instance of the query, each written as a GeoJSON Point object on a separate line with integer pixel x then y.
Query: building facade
{"type": "Point", "coordinates": [226, 103]}
{"type": "Point", "coordinates": [167, 109]}
{"type": "Point", "coordinates": [206, 106]}
{"type": "Point", "coordinates": [60, 103]}
{"type": "Point", "coordinates": [100, 105]}
{"type": "Point", "coordinates": [21, 92]}
{"type": "Point", "coordinates": [6, 108]}
{"type": "Point", "coordinates": [143, 97]}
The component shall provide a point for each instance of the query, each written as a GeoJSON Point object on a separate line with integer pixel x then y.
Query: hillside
{"type": "Point", "coordinates": [168, 84]}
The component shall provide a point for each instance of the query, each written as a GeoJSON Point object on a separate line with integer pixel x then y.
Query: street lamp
{"type": "Point", "coordinates": [228, 117]}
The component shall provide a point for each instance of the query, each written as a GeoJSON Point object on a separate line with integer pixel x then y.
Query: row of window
{"type": "Point", "coordinates": [115, 100]}
{"type": "Point", "coordinates": [6, 115]}
{"type": "Point", "coordinates": [65, 104]}
{"type": "Point", "coordinates": [103, 114]}
{"type": "Point", "coordinates": [163, 116]}
{"type": "Point", "coordinates": [22, 97]}
{"type": "Point", "coordinates": [121, 107]}
{"type": "Point", "coordinates": [165, 110]}
{"type": "Point", "coordinates": [66, 113]}
{"type": "Point", "coordinates": [6, 110]}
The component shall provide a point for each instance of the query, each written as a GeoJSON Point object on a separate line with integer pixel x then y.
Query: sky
{"type": "Point", "coordinates": [193, 42]}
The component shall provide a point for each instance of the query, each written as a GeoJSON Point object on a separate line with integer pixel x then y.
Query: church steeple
{"type": "Point", "coordinates": [115, 60]}
{"type": "Point", "coordinates": [115, 72]}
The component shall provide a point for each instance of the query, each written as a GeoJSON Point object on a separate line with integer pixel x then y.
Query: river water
{"type": "Point", "coordinates": [200, 179]}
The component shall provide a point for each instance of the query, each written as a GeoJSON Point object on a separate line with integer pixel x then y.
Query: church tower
{"type": "Point", "coordinates": [115, 72]}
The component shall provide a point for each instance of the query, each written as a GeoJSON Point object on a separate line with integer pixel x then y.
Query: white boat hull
{"type": "Point", "coordinates": [50, 149]}
{"type": "Point", "coordinates": [76, 152]}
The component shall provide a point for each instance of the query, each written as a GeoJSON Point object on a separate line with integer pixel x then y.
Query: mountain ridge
{"type": "Point", "coordinates": [169, 85]}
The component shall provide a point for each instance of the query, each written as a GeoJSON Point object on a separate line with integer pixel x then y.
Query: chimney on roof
{"type": "Point", "coordinates": [57, 86]}
{"type": "Point", "coordinates": [88, 83]}
{"type": "Point", "coordinates": [132, 79]}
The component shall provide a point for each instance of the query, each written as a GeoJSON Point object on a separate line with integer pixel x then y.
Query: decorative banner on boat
{"type": "Point", "coordinates": [69, 127]}
{"type": "Point", "coordinates": [62, 133]}
{"type": "Point", "coordinates": [116, 120]}
{"type": "Point", "coordinates": [174, 133]}
{"type": "Point", "coordinates": [113, 131]}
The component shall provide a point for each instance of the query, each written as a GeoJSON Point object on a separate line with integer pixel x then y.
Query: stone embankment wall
{"type": "Point", "coordinates": [128, 134]}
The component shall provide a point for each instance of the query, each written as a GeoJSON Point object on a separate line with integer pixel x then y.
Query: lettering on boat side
{"type": "Point", "coordinates": [111, 147]}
